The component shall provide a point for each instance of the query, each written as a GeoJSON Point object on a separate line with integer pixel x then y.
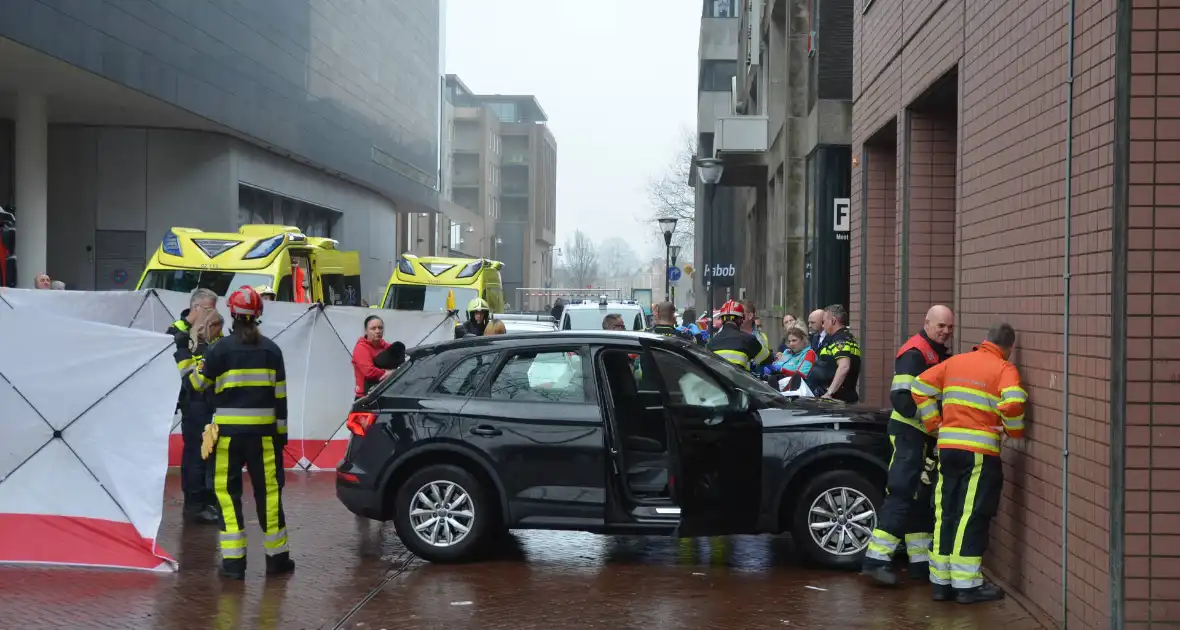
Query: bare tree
{"type": "Point", "coordinates": [617, 258]}
{"type": "Point", "coordinates": [581, 259]}
{"type": "Point", "coordinates": [671, 196]}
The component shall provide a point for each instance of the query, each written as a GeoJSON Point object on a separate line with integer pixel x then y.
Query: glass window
{"type": "Point", "coordinates": [418, 297]}
{"type": "Point", "coordinates": [186, 280]}
{"type": "Point", "coordinates": [720, 8]}
{"type": "Point", "coordinates": [506, 112]}
{"type": "Point", "coordinates": [687, 382]}
{"type": "Point", "coordinates": [552, 376]}
{"type": "Point", "coordinates": [591, 318]}
{"type": "Point", "coordinates": [717, 75]}
{"type": "Point", "coordinates": [467, 375]}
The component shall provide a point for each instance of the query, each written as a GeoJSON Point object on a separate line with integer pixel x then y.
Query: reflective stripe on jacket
{"type": "Point", "coordinates": [980, 396]}
{"type": "Point", "coordinates": [249, 385]}
{"type": "Point", "coordinates": [915, 356]}
{"type": "Point", "coordinates": [735, 346]}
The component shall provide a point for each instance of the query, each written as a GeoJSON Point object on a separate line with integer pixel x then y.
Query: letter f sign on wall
{"type": "Point", "coordinates": [841, 215]}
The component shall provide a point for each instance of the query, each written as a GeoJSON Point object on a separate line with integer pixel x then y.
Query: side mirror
{"type": "Point", "coordinates": [740, 402]}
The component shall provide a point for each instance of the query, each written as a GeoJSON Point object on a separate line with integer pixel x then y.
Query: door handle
{"type": "Point", "coordinates": [486, 430]}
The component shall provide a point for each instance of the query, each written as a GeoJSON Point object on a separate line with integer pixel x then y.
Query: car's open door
{"type": "Point", "coordinates": [716, 444]}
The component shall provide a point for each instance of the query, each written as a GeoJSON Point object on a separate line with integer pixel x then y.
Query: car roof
{"type": "Point", "coordinates": [599, 305]}
{"type": "Point", "coordinates": [546, 338]}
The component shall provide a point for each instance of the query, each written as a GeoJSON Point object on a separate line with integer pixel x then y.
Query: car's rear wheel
{"type": "Point", "coordinates": [442, 514]}
{"type": "Point", "coordinates": [834, 517]}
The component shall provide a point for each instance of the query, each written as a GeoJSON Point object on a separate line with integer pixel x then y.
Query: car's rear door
{"type": "Point", "coordinates": [537, 421]}
{"type": "Point", "coordinates": [716, 445]}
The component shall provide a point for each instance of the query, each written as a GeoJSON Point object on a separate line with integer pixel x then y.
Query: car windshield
{"type": "Point", "coordinates": [420, 297]}
{"type": "Point", "coordinates": [591, 318]}
{"type": "Point", "coordinates": [186, 280]}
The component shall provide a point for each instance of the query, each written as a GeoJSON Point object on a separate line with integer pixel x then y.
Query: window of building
{"type": "Point", "coordinates": [722, 8]}
{"type": "Point", "coordinates": [456, 234]}
{"type": "Point", "coordinates": [717, 75]}
{"type": "Point", "coordinates": [257, 206]}
{"type": "Point", "coordinates": [506, 112]}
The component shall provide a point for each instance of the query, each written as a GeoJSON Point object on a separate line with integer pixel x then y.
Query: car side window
{"type": "Point", "coordinates": [549, 376]}
{"type": "Point", "coordinates": [467, 375]}
{"type": "Point", "coordinates": [687, 382]}
{"type": "Point", "coordinates": [638, 325]}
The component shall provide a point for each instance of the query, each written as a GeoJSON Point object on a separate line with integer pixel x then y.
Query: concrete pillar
{"type": "Point", "coordinates": [32, 188]}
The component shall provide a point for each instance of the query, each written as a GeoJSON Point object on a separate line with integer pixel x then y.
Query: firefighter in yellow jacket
{"type": "Point", "coordinates": [249, 382]}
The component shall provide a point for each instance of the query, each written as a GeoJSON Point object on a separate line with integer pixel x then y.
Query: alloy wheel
{"type": "Point", "coordinates": [442, 513]}
{"type": "Point", "coordinates": [842, 521]}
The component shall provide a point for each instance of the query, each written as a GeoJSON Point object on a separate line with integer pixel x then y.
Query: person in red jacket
{"type": "Point", "coordinates": [367, 347]}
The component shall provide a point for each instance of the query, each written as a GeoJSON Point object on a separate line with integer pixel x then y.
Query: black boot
{"type": "Point", "coordinates": [279, 564]}
{"type": "Point", "coordinates": [942, 592]}
{"type": "Point", "coordinates": [233, 568]}
{"type": "Point", "coordinates": [881, 573]}
{"type": "Point", "coordinates": [919, 571]}
{"type": "Point", "coordinates": [987, 593]}
{"type": "Point", "coordinates": [201, 514]}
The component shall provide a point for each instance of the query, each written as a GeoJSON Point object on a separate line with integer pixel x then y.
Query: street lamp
{"type": "Point", "coordinates": [667, 226]}
{"type": "Point", "coordinates": [710, 170]}
{"type": "Point", "coordinates": [675, 252]}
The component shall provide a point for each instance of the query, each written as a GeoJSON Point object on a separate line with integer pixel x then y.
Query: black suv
{"type": "Point", "coordinates": [606, 432]}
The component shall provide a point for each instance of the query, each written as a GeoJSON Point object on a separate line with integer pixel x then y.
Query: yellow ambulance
{"type": "Point", "coordinates": [299, 268]}
{"type": "Point", "coordinates": [423, 283]}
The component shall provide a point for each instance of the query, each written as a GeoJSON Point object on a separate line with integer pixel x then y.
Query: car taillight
{"type": "Point", "coordinates": [359, 422]}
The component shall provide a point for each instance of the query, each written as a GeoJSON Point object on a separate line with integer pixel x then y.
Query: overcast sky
{"type": "Point", "coordinates": [617, 79]}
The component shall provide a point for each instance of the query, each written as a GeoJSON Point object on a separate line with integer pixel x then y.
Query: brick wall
{"type": "Point", "coordinates": [1153, 309]}
{"type": "Point", "coordinates": [931, 191]}
{"type": "Point", "coordinates": [879, 309]}
{"type": "Point", "coordinates": [1011, 56]}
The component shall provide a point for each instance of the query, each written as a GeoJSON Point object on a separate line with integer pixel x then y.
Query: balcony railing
{"type": "Point", "coordinates": [516, 158]}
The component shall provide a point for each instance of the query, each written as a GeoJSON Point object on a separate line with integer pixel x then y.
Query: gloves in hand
{"type": "Point", "coordinates": [208, 440]}
{"type": "Point", "coordinates": [928, 471]}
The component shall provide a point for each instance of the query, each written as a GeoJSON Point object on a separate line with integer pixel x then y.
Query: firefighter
{"type": "Point", "coordinates": [267, 293]}
{"type": "Point", "coordinates": [908, 512]}
{"type": "Point", "coordinates": [665, 324]}
{"type": "Point", "coordinates": [981, 399]}
{"type": "Point", "coordinates": [198, 500]}
{"type": "Point", "coordinates": [249, 429]}
{"type": "Point", "coordinates": [478, 316]}
{"type": "Point", "coordinates": [730, 343]}
{"type": "Point", "coordinates": [750, 325]}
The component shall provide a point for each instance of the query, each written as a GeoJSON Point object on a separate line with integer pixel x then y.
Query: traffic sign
{"type": "Point", "coordinates": [674, 274]}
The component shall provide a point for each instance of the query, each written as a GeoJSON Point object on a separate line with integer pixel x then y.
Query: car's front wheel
{"type": "Point", "coordinates": [834, 517]}
{"type": "Point", "coordinates": [442, 514]}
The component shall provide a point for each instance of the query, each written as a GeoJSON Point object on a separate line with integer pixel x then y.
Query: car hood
{"type": "Point", "coordinates": [810, 412]}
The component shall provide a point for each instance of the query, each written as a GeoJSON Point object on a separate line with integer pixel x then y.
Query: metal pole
{"type": "Point", "coordinates": [710, 191]}
{"type": "Point", "coordinates": [667, 263]}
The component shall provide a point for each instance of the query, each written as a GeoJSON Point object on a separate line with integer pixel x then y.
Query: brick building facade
{"type": "Point", "coordinates": [962, 138]}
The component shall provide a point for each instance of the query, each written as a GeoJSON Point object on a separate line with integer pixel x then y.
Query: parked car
{"type": "Point", "coordinates": [588, 314]}
{"type": "Point", "coordinates": [520, 323]}
{"type": "Point", "coordinates": [606, 432]}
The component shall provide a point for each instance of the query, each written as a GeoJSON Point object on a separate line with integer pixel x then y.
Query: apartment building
{"type": "Point", "coordinates": [119, 121]}
{"type": "Point", "coordinates": [1019, 161]}
{"type": "Point", "coordinates": [502, 181]}
{"type": "Point", "coordinates": [775, 107]}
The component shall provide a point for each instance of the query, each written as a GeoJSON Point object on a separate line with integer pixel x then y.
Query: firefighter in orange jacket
{"type": "Point", "coordinates": [908, 512]}
{"type": "Point", "coordinates": [981, 399]}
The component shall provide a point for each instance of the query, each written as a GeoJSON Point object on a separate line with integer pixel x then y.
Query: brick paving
{"type": "Point", "coordinates": [355, 574]}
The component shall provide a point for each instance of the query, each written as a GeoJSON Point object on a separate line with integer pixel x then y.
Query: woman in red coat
{"type": "Point", "coordinates": [367, 375]}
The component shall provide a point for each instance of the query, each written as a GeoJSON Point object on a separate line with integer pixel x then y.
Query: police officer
{"type": "Point", "coordinates": [908, 511]}
{"type": "Point", "coordinates": [249, 382]}
{"type": "Point", "coordinates": [478, 316]}
{"type": "Point", "coordinates": [730, 343]}
{"type": "Point", "coordinates": [665, 323]}
{"type": "Point", "coordinates": [198, 500]}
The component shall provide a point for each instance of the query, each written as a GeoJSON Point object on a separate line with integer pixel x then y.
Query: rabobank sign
{"type": "Point", "coordinates": [721, 274]}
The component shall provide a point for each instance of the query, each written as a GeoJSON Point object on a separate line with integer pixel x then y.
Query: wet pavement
{"type": "Point", "coordinates": [355, 574]}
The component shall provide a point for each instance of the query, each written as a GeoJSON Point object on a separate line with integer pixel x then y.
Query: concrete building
{"type": "Point", "coordinates": [1019, 161]}
{"type": "Point", "coordinates": [504, 181]}
{"type": "Point", "coordinates": [784, 138]}
{"type": "Point", "coordinates": [117, 124]}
